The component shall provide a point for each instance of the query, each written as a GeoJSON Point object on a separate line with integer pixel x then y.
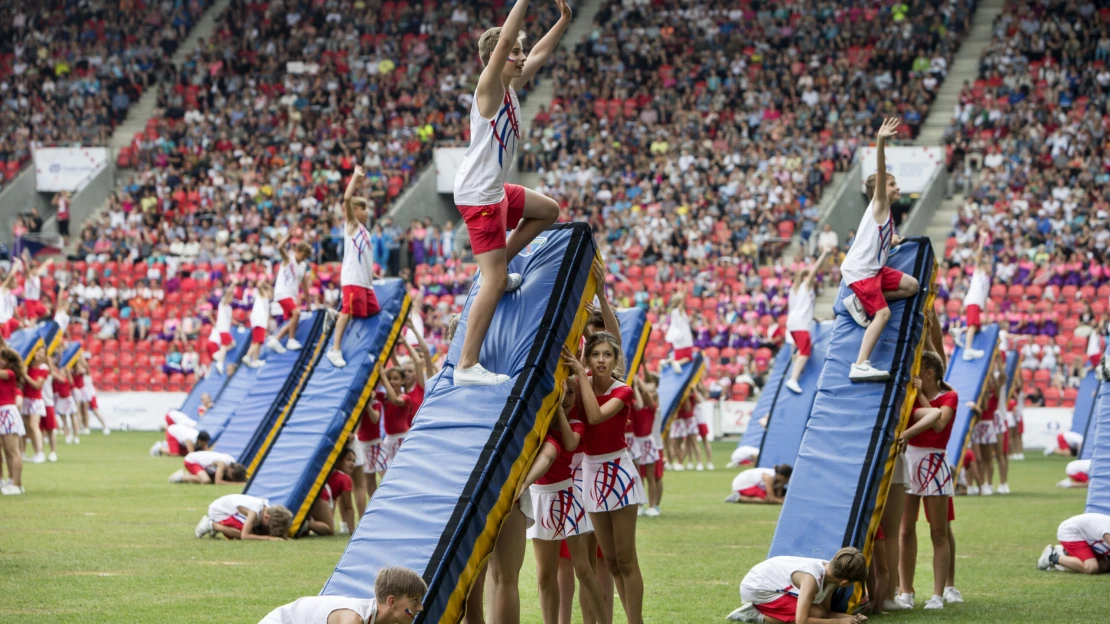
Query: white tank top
{"type": "Point", "coordinates": [480, 180]}
{"type": "Point", "coordinates": [205, 459]}
{"type": "Point", "coordinates": [978, 290]}
{"type": "Point", "coordinates": [32, 288]}
{"type": "Point", "coordinates": [1079, 466]}
{"type": "Point", "coordinates": [870, 250]}
{"type": "Point", "coordinates": [260, 311]}
{"type": "Point", "coordinates": [678, 333]}
{"type": "Point", "coordinates": [774, 578]}
{"type": "Point", "coordinates": [316, 609]}
{"type": "Point", "coordinates": [223, 318]}
{"type": "Point", "coordinates": [182, 434]}
{"type": "Point", "coordinates": [750, 478]}
{"type": "Point", "coordinates": [358, 259]}
{"type": "Point", "coordinates": [289, 277]}
{"type": "Point", "coordinates": [48, 389]}
{"type": "Point", "coordinates": [225, 507]}
{"type": "Point", "coordinates": [799, 309]}
{"type": "Point", "coordinates": [7, 310]}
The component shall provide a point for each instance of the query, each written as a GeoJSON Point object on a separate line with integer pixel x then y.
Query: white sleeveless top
{"type": "Point", "coordinates": [480, 180]}
{"type": "Point", "coordinates": [260, 311]}
{"type": "Point", "coordinates": [774, 578]}
{"type": "Point", "coordinates": [799, 312]}
{"type": "Point", "coordinates": [205, 459]}
{"type": "Point", "coordinates": [358, 259]}
{"type": "Point", "coordinates": [316, 609]}
{"type": "Point", "coordinates": [870, 250]}
{"type": "Point", "coordinates": [223, 318]}
{"type": "Point", "coordinates": [289, 277]}
{"type": "Point", "coordinates": [679, 333]}
{"type": "Point", "coordinates": [750, 478]}
{"type": "Point", "coordinates": [978, 290]}
{"type": "Point", "coordinates": [32, 288]}
{"type": "Point", "coordinates": [227, 506]}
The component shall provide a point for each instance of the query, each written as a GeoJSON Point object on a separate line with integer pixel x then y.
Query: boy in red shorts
{"type": "Point", "coordinates": [489, 205]}
{"type": "Point", "coordinates": [803, 295]}
{"type": "Point", "coordinates": [799, 589]}
{"type": "Point", "coordinates": [1084, 545]}
{"type": "Point", "coordinates": [33, 308]}
{"type": "Point", "coordinates": [260, 323]}
{"type": "Point", "coordinates": [864, 268]}
{"type": "Point", "coordinates": [975, 301]}
{"type": "Point", "coordinates": [220, 340]}
{"type": "Point", "coordinates": [356, 277]}
{"type": "Point", "coordinates": [290, 279]}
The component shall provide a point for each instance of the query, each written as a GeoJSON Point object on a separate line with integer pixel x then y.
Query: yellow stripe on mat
{"type": "Point", "coordinates": [638, 357]}
{"type": "Point", "coordinates": [34, 349]}
{"type": "Point", "coordinates": [695, 380]}
{"type": "Point", "coordinates": [959, 465]}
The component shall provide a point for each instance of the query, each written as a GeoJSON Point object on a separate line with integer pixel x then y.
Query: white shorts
{"type": "Point", "coordinates": [683, 427]}
{"type": "Point", "coordinates": [374, 457]}
{"type": "Point", "coordinates": [11, 423]}
{"type": "Point", "coordinates": [34, 407]}
{"type": "Point", "coordinates": [1010, 421]}
{"type": "Point", "coordinates": [900, 476]}
{"type": "Point", "coordinates": [984, 433]}
{"type": "Point", "coordinates": [612, 482]}
{"type": "Point", "coordinates": [930, 474]}
{"type": "Point", "coordinates": [390, 445]}
{"type": "Point", "coordinates": [79, 396]}
{"type": "Point", "coordinates": [1000, 426]}
{"type": "Point", "coordinates": [64, 406]}
{"type": "Point", "coordinates": [643, 450]}
{"type": "Point", "coordinates": [559, 511]}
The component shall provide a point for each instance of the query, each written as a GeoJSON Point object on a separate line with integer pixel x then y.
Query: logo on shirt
{"type": "Point", "coordinates": [361, 240]}
{"type": "Point", "coordinates": [533, 246]}
{"type": "Point", "coordinates": [505, 122]}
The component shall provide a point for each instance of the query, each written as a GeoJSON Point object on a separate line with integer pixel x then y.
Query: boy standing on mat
{"type": "Point", "coordinates": [288, 283]}
{"type": "Point", "coordinates": [489, 205]}
{"type": "Point", "coordinates": [356, 275]}
{"type": "Point", "coordinates": [864, 269]}
{"type": "Point", "coordinates": [975, 301]}
{"type": "Point", "coordinates": [799, 317]}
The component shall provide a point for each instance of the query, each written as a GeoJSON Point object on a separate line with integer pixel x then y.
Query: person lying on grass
{"type": "Point", "coordinates": [239, 516]}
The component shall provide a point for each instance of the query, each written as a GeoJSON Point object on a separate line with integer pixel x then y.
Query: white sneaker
{"type": "Point", "coordinates": [1004, 488]}
{"type": "Point", "coordinates": [667, 466]}
{"type": "Point", "coordinates": [11, 490]}
{"type": "Point", "coordinates": [274, 345]}
{"type": "Point", "coordinates": [701, 467]}
{"type": "Point", "coordinates": [5, 482]}
{"type": "Point", "coordinates": [85, 431]}
{"type": "Point", "coordinates": [1018, 457]}
{"type": "Point", "coordinates": [709, 466]}
{"type": "Point", "coordinates": [733, 498]}
{"type": "Point", "coordinates": [155, 450]}
{"type": "Point", "coordinates": [986, 490]}
{"type": "Point", "coordinates": [335, 356]}
{"type": "Point", "coordinates": [343, 528]}
{"type": "Point", "coordinates": [746, 613]}
{"type": "Point", "coordinates": [515, 280]}
{"type": "Point", "coordinates": [293, 345]}
{"type": "Point", "coordinates": [1048, 450]}
{"type": "Point", "coordinates": [952, 595]}
{"type": "Point", "coordinates": [936, 602]}
{"type": "Point", "coordinates": [855, 309]}
{"type": "Point", "coordinates": [865, 372]}
{"type": "Point", "coordinates": [52, 457]}
{"type": "Point", "coordinates": [640, 510]}
{"type": "Point", "coordinates": [220, 368]}
{"type": "Point", "coordinates": [689, 465]}
{"type": "Point", "coordinates": [39, 458]}
{"type": "Point", "coordinates": [107, 431]}
{"type": "Point", "coordinates": [653, 512]}
{"type": "Point", "coordinates": [972, 354]}
{"type": "Point", "coordinates": [477, 375]}
{"type": "Point", "coordinates": [1065, 483]}
{"type": "Point", "coordinates": [678, 468]}
{"type": "Point", "coordinates": [69, 438]}
{"type": "Point", "coordinates": [204, 527]}
{"type": "Point", "coordinates": [76, 440]}
{"type": "Point", "coordinates": [906, 599]}
{"type": "Point", "coordinates": [178, 476]}
{"type": "Point", "coordinates": [676, 367]}
{"type": "Point", "coordinates": [973, 490]}
{"type": "Point", "coordinates": [793, 386]}
{"type": "Point", "coordinates": [894, 605]}
{"type": "Point", "coordinates": [256, 364]}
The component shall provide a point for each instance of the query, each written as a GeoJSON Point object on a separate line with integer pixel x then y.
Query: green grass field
{"type": "Point", "coordinates": [102, 537]}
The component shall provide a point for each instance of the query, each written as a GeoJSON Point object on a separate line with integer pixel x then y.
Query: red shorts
{"type": "Point", "coordinates": [360, 302]}
{"type": "Point", "coordinates": [232, 521]}
{"type": "Point", "coordinates": [9, 326]}
{"type": "Point", "coordinates": [1094, 359]}
{"type": "Point", "coordinates": [703, 430]}
{"type": "Point", "coordinates": [951, 511]}
{"type": "Point", "coordinates": [1021, 426]}
{"type": "Point", "coordinates": [1079, 550]}
{"type": "Point", "coordinates": [175, 446]}
{"type": "Point", "coordinates": [685, 353]}
{"type": "Point", "coordinates": [258, 335]}
{"type": "Point", "coordinates": [973, 316]}
{"type": "Point", "coordinates": [784, 608]}
{"type": "Point", "coordinates": [870, 291]}
{"type": "Point", "coordinates": [803, 342]}
{"type": "Point", "coordinates": [1080, 477]}
{"type": "Point", "coordinates": [1005, 442]}
{"type": "Point", "coordinates": [50, 421]}
{"type": "Point", "coordinates": [225, 341]}
{"type": "Point", "coordinates": [656, 467]}
{"type": "Point", "coordinates": [969, 458]}
{"type": "Point", "coordinates": [33, 309]}
{"type": "Point", "coordinates": [194, 468]}
{"type": "Point", "coordinates": [487, 224]}
{"type": "Point", "coordinates": [287, 306]}
{"type": "Point", "coordinates": [1062, 443]}
{"type": "Point", "coordinates": [92, 403]}
{"type": "Point", "coordinates": [753, 492]}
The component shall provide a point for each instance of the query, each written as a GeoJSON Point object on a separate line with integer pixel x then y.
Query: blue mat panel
{"type": "Point", "coordinates": [790, 412]}
{"type": "Point", "coordinates": [635, 329]}
{"type": "Point", "coordinates": [968, 379]}
{"type": "Point", "coordinates": [674, 387]}
{"type": "Point", "coordinates": [213, 384]}
{"type": "Point", "coordinates": [304, 451]}
{"type": "Point", "coordinates": [780, 369]}
{"type": "Point", "coordinates": [447, 493]}
{"type": "Point", "coordinates": [272, 393]}
{"type": "Point", "coordinates": [843, 469]}
{"type": "Point", "coordinates": [1085, 404]}
{"type": "Point", "coordinates": [70, 354]}
{"type": "Point", "coordinates": [1012, 360]}
{"type": "Point", "coordinates": [1087, 451]}
{"type": "Point", "coordinates": [25, 341]}
{"type": "Point", "coordinates": [1098, 490]}
{"type": "Point", "coordinates": [51, 336]}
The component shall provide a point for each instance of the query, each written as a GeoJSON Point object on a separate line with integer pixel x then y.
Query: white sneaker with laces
{"type": "Point", "coordinates": [1004, 488]}
{"type": "Point", "coordinates": [906, 599]}
{"type": "Point", "coordinates": [256, 364]}
{"type": "Point", "coordinates": [274, 345]}
{"type": "Point", "coordinates": [220, 368]}
{"type": "Point", "coordinates": [709, 466]}
{"type": "Point", "coordinates": [343, 528]}
{"type": "Point", "coordinates": [653, 512]}
{"type": "Point", "coordinates": [1043, 562]}
{"type": "Point", "coordinates": [793, 386]}
{"type": "Point", "coordinates": [733, 498]}
{"type": "Point", "coordinates": [936, 602]}
{"type": "Point", "coordinates": [11, 490]}
{"type": "Point", "coordinates": [701, 467]}
{"type": "Point", "coordinates": [477, 375]}
{"type": "Point", "coordinates": [514, 282]}
{"type": "Point", "coordinates": [640, 510]}
{"type": "Point", "coordinates": [973, 490]}
{"type": "Point", "coordinates": [335, 356]}
{"type": "Point", "coordinates": [1064, 483]}
{"type": "Point", "coordinates": [972, 354]}
{"type": "Point", "coordinates": [676, 367]}
{"type": "Point", "coordinates": [76, 440]}
{"type": "Point", "coordinates": [39, 458]}
{"type": "Point", "coordinates": [678, 468]}
{"type": "Point", "coordinates": [178, 476]}
{"type": "Point", "coordinates": [85, 431]}
{"type": "Point", "coordinates": [107, 431]}
{"type": "Point", "coordinates": [52, 457]}
{"type": "Point", "coordinates": [156, 450]}
{"type": "Point", "coordinates": [204, 527]}
{"type": "Point", "coordinates": [4, 482]}
{"type": "Point", "coordinates": [865, 372]}
{"type": "Point", "coordinates": [746, 613]}
{"type": "Point", "coordinates": [293, 344]}
{"type": "Point", "coordinates": [69, 438]}
{"type": "Point", "coordinates": [952, 595]}
{"type": "Point", "coordinates": [986, 490]}
{"type": "Point", "coordinates": [894, 605]}
{"type": "Point", "coordinates": [1019, 457]}
{"type": "Point", "coordinates": [855, 309]}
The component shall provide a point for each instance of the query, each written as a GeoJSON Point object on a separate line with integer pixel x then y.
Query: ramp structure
{"type": "Point", "coordinates": [1087, 450]}
{"type": "Point", "coordinates": [1083, 418]}
{"type": "Point", "coordinates": [70, 354]}
{"type": "Point", "coordinates": [635, 330]}
{"type": "Point", "coordinates": [790, 412]}
{"type": "Point", "coordinates": [1098, 490]}
{"type": "Point", "coordinates": [51, 336]}
{"type": "Point", "coordinates": [301, 455]}
{"type": "Point", "coordinates": [449, 489]}
{"type": "Point", "coordinates": [674, 388]}
{"type": "Point", "coordinates": [26, 341]}
{"type": "Point", "coordinates": [213, 383]}
{"type": "Point", "coordinates": [753, 434]}
{"type": "Point", "coordinates": [844, 465]}
{"type": "Point", "coordinates": [969, 379]}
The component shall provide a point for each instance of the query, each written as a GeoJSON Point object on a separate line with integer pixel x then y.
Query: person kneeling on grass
{"type": "Point", "coordinates": [1084, 546]}
{"type": "Point", "coordinates": [1079, 474]}
{"type": "Point", "coordinates": [399, 598]}
{"type": "Point", "coordinates": [799, 589]}
{"type": "Point", "coordinates": [239, 516]}
{"type": "Point", "coordinates": [210, 467]}
{"type": "Point", "coordinates": [336, 492]}
{"type": "Point", "coordinates": [761, 485]}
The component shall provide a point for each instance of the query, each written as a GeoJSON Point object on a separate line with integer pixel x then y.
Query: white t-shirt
{"type": "Point", "coordinates": [1073, 439]}
{"type": "Point", "coordinates": [678, 333]}
{"type": "Point", "coordinates": [228, 506]}
{"type": "Point", "coordinates": [1089, 527]}
{"type": "Point", "coordinates": [223, 320]}
{"type": "Point", "coordinates": [1094, 344]}
{"type": "Point", "coordinates": [179, 417]}
{"type": "Point", "coordinates": [751, 477]}
{"type": "Point", "coordinates": [1079, 466]}
{"type": "Point", "coordinates": [62, 319]}
{"type": "Point", "coordinates": [290, 276]}
{"type": "Point", "coordinates": [7, 310]}
{"type": "Point", "coordinates": [800, 309]}
{"type": "Point", "coordinates": [770, 580]}
{"type": "Point", "coordinates": [978, 290]}
{"type": "Point", "coordinates": [183, 433]}
{"type": "Point", "coordinates": [32, 288]}
{"type": "Point", "coordinates": [870, 249]}
{"type": "Point", "coordinates": [207, 459]}
{"type": "Point", "coordinates": [260, 312]}
{"type": "Point", "coordinates": [358, 259]}
{"type": "Point", "coordinates": [480, 180]}
{"type": "Point", "coordinates": [316, 609]}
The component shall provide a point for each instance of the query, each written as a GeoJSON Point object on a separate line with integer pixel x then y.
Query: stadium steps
{"type": "Point", "coordinates": [941, 225]}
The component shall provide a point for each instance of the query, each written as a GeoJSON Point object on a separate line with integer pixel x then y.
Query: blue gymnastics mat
{"type": "Point", "coordinates": [842, 473]}
{"type": "Point", "coordinates": [1087, 450]}
{"type": "Point", "coordinates": [1085, 404]}
{"type": "Point", "coordinates": [968, 379]}
{"type": "Point", "coordinates": [1098, 490]}
{"type": "Point", "coordinates": [25, 341]}
{"type": "Point", "coordinates": [790, 412]}
{"type": "Point", "coordinates": [70, 353]}
{"type": "Point", "coordinates": [213, 383]}
{"type": "Point", "coordinates": [272, 394]}
{"type": "Point", "coordinates": [674, 388]}
{"type": "Point", "coordinates": [443, 501]}
{"type": "Point", "coordinates": [635, 329]}
{"type": "Point", "coordinates": [780, 368]}
{"type": "Point", "coordinates": [303, 452]}
{"type": "Point", "coordinates": [51, 336]}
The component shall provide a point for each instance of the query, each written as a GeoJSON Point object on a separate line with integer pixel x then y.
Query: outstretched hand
{"type": "Point", "coordinates": [564, 9]}
{"type": "Point", "coordinates": [889, 128]}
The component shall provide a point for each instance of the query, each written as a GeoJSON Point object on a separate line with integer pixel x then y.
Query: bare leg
{"type": "Point", "coordinates": [1003, 461]}
{"type": "Point", "coordinates": [950, 578]}
{"type": "Point", "coordinates": [583, 558]}
{"type": "Point", "coordinates": [495, 278]}
{"type": "Point", "coordinates": [969, 338]}
{"type": "Point", "coordinates": [358, 478]}
{"type": "Point", "coordinates": [891, 522]}
{"type": "Point", "coordinates": [799, 367]}
{"type": "Point", "coordinates": [871, 335]}
{"type": "Point", "coordinates": [616, 534]}
{"type": "Point", "coordinates": [228, 532]}
{"type": "Point", "coordinates": [937, 506]}
{"type": "Point", "coordinates": [12, 445]}
{"type": "Point", "coordinates": [540, 212]}
{"type": "Point", "coordinates": [321, 520]}
{"type": "Point", "coordinates": [879, 576]}
{"type": "Point", "coordinates": [986, 463]}
{"type": "Point", "coordinates": [566, 591]}
{"type": "Point", "coordinates": [337, 334]}
{"type": "Point", "coordinates": [33, 431]}
{"type": "Point", "coordinates": [908, 535]}
{"type": "Point", "coordinates": [475, 609]}
{"type": "Point", "coordinates": [547, 578]}
{"type": "Point", "coordinates": [96, 413]}
{"type": "Point", "coordinates": [692, 449]}
{"type": "Point", "coordinates": [708, 450]}
{"type": "Point", "coordinates": [504, 568]}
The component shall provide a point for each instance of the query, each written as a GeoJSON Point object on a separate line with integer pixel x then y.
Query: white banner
{"type": "Point", "coordinates": [67, 168]}
{"type": "Point", "coordinates": [1043, 424]}
{"type": "Point", "coordinates": [137, 411]}
{"type": "Point", "coordinates": [735, 415]}
{"type": "Point", "coordinates": [912, 166]}
{"type": "Point", "coordinates": [448, 161]}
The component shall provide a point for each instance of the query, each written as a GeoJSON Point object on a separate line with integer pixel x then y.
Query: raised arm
{"type": "Point", "coordinates": [348, 207]}
{"type": "Point", "coordinates": [881, 211]}
{"type": "Point", "coordinates": [281, 244]}
{"type": "Point", "coordinates": [811, 271]}
{"type": "Point", "coordinates": [490, 89]}
{"type": "Point", "coordinates": [544, 47]}
{"type": "Point", "coordinates": [425, 354]}
{"type": "Point", "coordinates": [612, 325]}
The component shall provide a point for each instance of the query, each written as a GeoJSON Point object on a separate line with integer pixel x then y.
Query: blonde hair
{"type": "Point", "coordinates": [848, 564]}
{"type": "Point", "coordinates": [400, 582]}
{"type": "Point", "coordinates": [488, 42]}
{"type": "Point", "coordinates": [872, 180]}
{"type": "Point", "coordinates": [452, 326]}
{"type": "Point", "coordinates": [303, 247]}
{"type": "Point", "coordinates": [357, 202]}
{"type": "Point", "coordinates": [280, 521]}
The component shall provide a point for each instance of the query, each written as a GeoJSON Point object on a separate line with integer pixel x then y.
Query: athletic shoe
{"type": "Point", "coordinates": [1048, 451]}
{"type": "Point", "coordinates": [667, 466]}
{"type": "Point", "coordinates": [69, 438]}
{"type": "Point", "coordinates": [1018, 457]}
{"type": "Point", "coordinates": [701, 467]}
{"type": "Point", "coordinates": [256, 364]}
{"type": "Point", "coordinates": [952, 595]}
{"type": "Point", "coordinates": [220, 368]}
{"type": "Point", "coordinates": [793, 386]}
{"type": "Point", "coordinates": [39, 458]}
{"type": "Point", "coordinates": [293, 345]}
{"type": "Point", "coordinates": [855, 309]}
{"type": "Point", "coordinates": [52, 457]}
{"type": "Point", "coordinates": [155, 450]}
{"type": "Point", "coordinates": [972, 490]}
{"type": "Point", "coordinates": [732, 498]}
{"type": "Point", "coordinates": [178, 476]}
{"type": "Point", "coordinates": [677, 468]}
{"type": "Point", "coordinates": [274, 345]}
{"type": "Point", "coordinates": [1004, 488]}
{"type": "Point", "coordinates": [865, 372]}
{"type": "Point", "coordinates": [107, 431]}
{"type": "Point", "coordinates": [676, 367]}
{"type": "Point", "coordinates": [894, 605]}
{"type": "Point", "coordinates": [746, 613]}
{"type": "Point", "coordinates": [343, 528]}
{"type": "Point", "coordinates": [640, 510]}
{"type": "Point", "coordinates": [654, 511]}
{"type": "Point", "coordinates": [76, 440]}
{"type": "Point", "coordinates": [1065, 483]}
{"type": "Point", "coordinates": [11, 490]}
{"type": "Point", "coordinates": [986, 490]}
{"type": "Point", "coordinates": [972, 354]}
{"type": "Point", "coordinates": [905, 599]}
{"type": "Point", "coordinates": [85, 431]}
{"type": "Point", "coordinates": [204, 527]}
{"type": "Point", "coordinates": [689, 466]}
{"type": "Point", "coordinates": [936, 602]}
{"type": "Point", "coordinates": [1055, 568]}
{"type": "Point", "coordinates": [709, 466]}
{"type": "Point", "coordinates": [514, 282]}
{"type": "Point", "coordinates": [477, 375]}
{"type": "Point", "coordinates": [5, 482]}
{"type": "Point", "coordinates": [335, 356]}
